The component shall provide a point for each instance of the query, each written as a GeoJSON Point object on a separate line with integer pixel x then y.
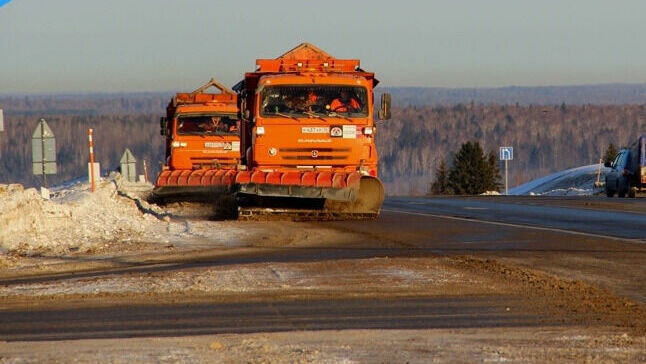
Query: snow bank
{"type": "Point", "coordinates": [75, 219]}
{"type": "Point", "coordinates": [572, 182]}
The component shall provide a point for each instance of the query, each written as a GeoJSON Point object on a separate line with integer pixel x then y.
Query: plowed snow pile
{"type": "Point", "coordinates": [74, 220]}
{"type": "Point", "coordinates": [572, 182]}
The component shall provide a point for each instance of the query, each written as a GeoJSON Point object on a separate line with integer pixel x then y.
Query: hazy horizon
{"type": "Point", "coordinates": [75, 46]}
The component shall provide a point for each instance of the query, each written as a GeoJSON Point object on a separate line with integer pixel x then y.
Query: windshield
{"type": "Point", "coordinates": [314, 101]}
{"type": "Point", "coordinates": [211, 124]}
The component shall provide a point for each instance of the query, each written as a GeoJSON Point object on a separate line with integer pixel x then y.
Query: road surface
{"type": "Point", "coordinates": [556, 215]}
{"type": "Point", "coordinates": [603, 248]}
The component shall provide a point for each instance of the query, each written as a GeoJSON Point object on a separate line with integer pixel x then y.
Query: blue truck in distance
{"type": "Point", "coordinates": [628, 171]}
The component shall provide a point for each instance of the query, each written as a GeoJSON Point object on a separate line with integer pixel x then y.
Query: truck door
{"type": "Point", "coordinates": [611, 177]}
{"type": "Point", "coordinates": [624, 180]}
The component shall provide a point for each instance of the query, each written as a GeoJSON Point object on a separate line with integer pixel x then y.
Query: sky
{"type": "Point", "coordinates": [71, 46]}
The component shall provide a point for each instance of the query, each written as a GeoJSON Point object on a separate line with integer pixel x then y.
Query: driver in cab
{"type": "Point", "coordinates": [345, 103]}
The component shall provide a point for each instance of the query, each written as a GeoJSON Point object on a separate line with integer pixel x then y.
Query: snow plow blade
{"type": "Point", "coordinates": [301, 195]}
{"type": "Point", "coordinates": [361, 201]}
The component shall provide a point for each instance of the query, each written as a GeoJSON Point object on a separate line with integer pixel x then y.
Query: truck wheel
{"type": "Point", "coordinates": [609, 193]}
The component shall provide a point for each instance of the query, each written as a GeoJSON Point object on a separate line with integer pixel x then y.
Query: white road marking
{"type": "Point", "coordinates": [498, 223]}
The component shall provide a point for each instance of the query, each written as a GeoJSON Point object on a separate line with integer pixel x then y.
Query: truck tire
{"type": "Point", "coordinates": [609, 192]}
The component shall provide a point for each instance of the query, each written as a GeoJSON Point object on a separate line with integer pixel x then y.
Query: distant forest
{"type": "Point", "coordinates": [608, 94]}
{"type": "Point", "coordinates": [550, 128]}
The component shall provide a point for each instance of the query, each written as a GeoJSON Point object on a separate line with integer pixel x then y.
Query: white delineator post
{"type": "Point", "coordinates": [145, 172]}
{"type": "Point", "coordinates": [90, 132]}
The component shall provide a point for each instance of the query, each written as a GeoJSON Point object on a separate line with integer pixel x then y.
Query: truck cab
{"type": "Point", "coordinates": [313, 122]}
{"type": "Point", "coordinates": [307, 110]}
{"type": "Point", "coordinates": [617, 180]}
{"type": "Point", "coordinates": [202, 130]}
{"type": "Point", "coordinates": [627, 174]}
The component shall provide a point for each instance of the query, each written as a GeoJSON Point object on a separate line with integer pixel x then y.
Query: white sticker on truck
{"type": "Point", "coordinates": [315, 130]}
{"type": "Point", "coordinates": [349, 131]}
{"type": "Point", "coordinates": [223, 145]}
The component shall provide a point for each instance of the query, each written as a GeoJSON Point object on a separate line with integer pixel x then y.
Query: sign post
{"type": "Point", "coordinates": [43, 151]}
{"type": "Point", "coordinates": [506, 154]}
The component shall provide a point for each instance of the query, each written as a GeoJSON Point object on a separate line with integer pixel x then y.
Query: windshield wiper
{"type": "Point", "coordinates": [285, 115]}
{"type": "Point", "coordinates": [314, 115]}
{"type": "Point", "coordinates": [341, 116]}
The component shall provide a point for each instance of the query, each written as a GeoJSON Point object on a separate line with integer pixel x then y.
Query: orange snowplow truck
{"type": "Point", "coordinates": [308, 135]}
{"type": "Point", "coordinates": [202, 139]}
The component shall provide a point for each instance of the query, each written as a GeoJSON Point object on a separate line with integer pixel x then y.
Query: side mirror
{"type": "Point", "coordinates": [384, 113]}
{"type": "Point", "coordinates": [163, 126]}
{"type": "Point", "coordinates": [607, 164]}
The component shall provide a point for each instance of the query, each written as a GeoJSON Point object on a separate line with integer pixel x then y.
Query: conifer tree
{"type": "Point", "coordinates": [473, 172]}
{"type": "Point", "coordinates": [610, 154]}
{"type": "Point", "coordinates": [440, 185]}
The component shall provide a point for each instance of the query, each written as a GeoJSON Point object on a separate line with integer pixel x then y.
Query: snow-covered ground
{"type": "Point", "coordinates": [572, 182]}
{"type": "Point", "coordinates": [77, 220]}
{"type": "Point", "coordinates": [73, 220]}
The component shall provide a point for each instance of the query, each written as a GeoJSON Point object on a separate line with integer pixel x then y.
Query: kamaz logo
{"type": "Point", "coordinates": [315, 154]}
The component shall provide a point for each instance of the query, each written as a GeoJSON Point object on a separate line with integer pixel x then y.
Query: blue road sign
{"type": "Point", "coordinates": [506, 153]}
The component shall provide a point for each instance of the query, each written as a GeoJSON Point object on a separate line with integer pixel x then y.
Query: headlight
{"type": "Point", "coordinates": [367, 130]}
{"type": "Point", "coordinates": [178, 144]}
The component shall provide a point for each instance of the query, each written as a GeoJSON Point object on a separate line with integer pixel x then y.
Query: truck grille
{"type": "Point", "coordinates": [198, 163]}
{"type": "Point", "coordinates": [314, 154]}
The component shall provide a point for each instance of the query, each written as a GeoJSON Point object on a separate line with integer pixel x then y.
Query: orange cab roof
{"type": "Point", "coordinates": [199, 96]}
{"type": "Point", "coordinates": [306, 57]}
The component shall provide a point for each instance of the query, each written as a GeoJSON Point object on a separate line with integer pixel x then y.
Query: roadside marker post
{"type": "Point", "coordinates": [90, 133]}
{"type": "Point", "coordinates": [145, 172]}
{"type": "Point", "coordinates": [506, 154]}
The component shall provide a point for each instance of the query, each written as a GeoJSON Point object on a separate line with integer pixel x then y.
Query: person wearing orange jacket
{"type": "Point", "coordinates": [345, 103]}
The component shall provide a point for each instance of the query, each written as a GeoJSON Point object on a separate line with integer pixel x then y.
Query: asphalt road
{"type": "Point", "coordinates": [198, 319]}
{"type": "Point", "coordinates": [408, 227]}
{"type": "Point", "coordinates": [508, 210]}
